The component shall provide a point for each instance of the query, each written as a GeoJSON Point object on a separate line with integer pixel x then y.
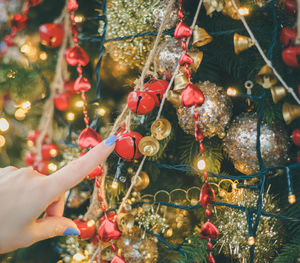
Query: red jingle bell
{"type": "Point", "coordinates": [41, 166]}
{"type": "Point", "coordinates": [69, 87]}
{"type": "Point", "coordinates": [82, 84]}
{"type": "Point", "coordinates": [140, 102]}
{"type": "Point", "coordinates": [182, 31]}
{"type": "Point", "coordinates": [192, 96]}
{"type": "Point", "coordinates": [209, 230]}
{"type": "Point", "coordinates": [49, 151]}
{"type": "Point", "coordinates": [29, 158]}
{"type": "Point", "coordinates": [157, 89]}
{"type": "Point", "coordinates": [291, 56]}
{"type": "Point", "coordinates": [185, 59]}
{"type": "Point", "coordinates": [19, 22]}
{"type": "Point", "coordinates": [207, 195]}
{"type": "Point", "coordinates": [87, 228]}
{"type": "Point", "coordinates": [290, 7]}
{"type": "Point", "coordinates": [296, 137]}
{"type": "Point", "coordinates": [108, 230]}
{"type": "Point", "coordinates": [33, 135]}
{"type": "Point", "coordinates": [62, 101]}
{"type": "Point", "coordinates": [127, 146]}
{"type": "Point", "coordinates": [76, 56]}
{"type": "Point", "coordinates": [288, 36]}
{"type": "Point", "coordinates": [51, 35]}
{"type": "Point", "coordinates": [88, 138]}
{"type": "Point", "coordinates": [117, 259]}
{"type": "Point", "coordinates": [72, 5]}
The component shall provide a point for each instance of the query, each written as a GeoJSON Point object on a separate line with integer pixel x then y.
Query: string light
{"type": "Point", "coordinates": [4, 125]}
{"type": "Point", "coordinates": [52, 167]}
{"type": "Point", "coordinates": [2, 141]}
{"type": "Point", "coordinates": [30, 143]}
{"type": "Point", "coordinates": [201, 164]}
{"type": "Point", "coordinates": [79, 103]}
{"type": "Point", "coordinates": [43, 56]}
{"type": "Point", "coordinates": [26, 105]}
{"type": "Point", "coordinates": [70, 116]}
{"type": "Point", "coordinates": [78, 257]}
{"type": "Point", "coordinates": [251, 241]}
{"type": "Point", "coordinates": [114, 185]}
{"type": "Point", "coordinates": [231, 92]}
{"type": "Point", "coordinates": [53, 153]}
{"type": "Point", "coordinates": [20, 114]}
{"type": "Point", "coordinates": [101, 111]}
{"type": "Point", "coordinates": [244, 11]}
{"type": "Point", "coordinates": [292, 199]}
{"type": "Point", "coordinates": [79, 18]}
{"type": "Point", "coordinates": [90, 223]}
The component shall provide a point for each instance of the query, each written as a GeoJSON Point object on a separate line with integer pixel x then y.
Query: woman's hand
{"type": "Point", "coordinates": [25, 194]}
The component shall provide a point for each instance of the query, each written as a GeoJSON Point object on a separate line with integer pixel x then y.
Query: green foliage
{"type": "Point", "coordinates": [290, 252]}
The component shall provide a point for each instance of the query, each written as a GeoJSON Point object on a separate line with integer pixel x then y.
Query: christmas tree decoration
{"type": "Point", "coordinates": [201, 37]}
{"type": "Point", "coordinates": [108, 230]}
{"type": "Point", "coordinates": [161, 129]}
{"type": "Point", "coordinates": [156, 88]}
{"type": "Point", "coordinates": [182, 31]}
{"type": "Point", "coordinates": [192, 96]}
{"type": "Point", "coordinates": [180, 81]}
{"type": "Point", "coordinates": [69, 87]}
{"type": "Point", "coordinates": [42, 166]}
{"type": "Point", "coordinates": [118, 259]}
{"type": "Point", "coordinates": [148, 146]}
{"type": "Point", "coordinates": [87, 228]}
{"type": "Point", "coordinates": [240, 143]}
{"type": "Point", "coordinates": [215, 112]}
{"type": "Point", "coordinates": [290, 7]}
{"type": "Point", "coordinates": [213, 5]}
{"type": "Point", "coordinates": [29, 158]}
{"type": "Point", "coordinates": [88, 138]}
{"type": "Point", "coordinates": [62, 101]}
{"type": "Point", "coordinates": [207, 195]}
{"type": "Point", "coordinates": [125, 222]}
{"type": "Point", "coordinates": [140, 102]}
{"type": "Point", "coordinates": [209, 231]}
{"type": "Point", "coordinates": [241, 43]}
{"type": "Point", "coordinates": [49, 151]}
{"type": "Point", "coordinates": [77, 197]}
{"type": "Point", "coordinates": [288, 36]}
{"type": "Point", "coordinates": [51, 35]}
{"type": "Point", "coordinates": [127, 146]}
{"type": "Point", "coordinates": [97, 172]}
{"type": "Point", "coordinates": [81, 84]}
{"type": "Point", "coordinates": [142, 182]}
{"type": "Point", "coordinates": [76, 55]}
{"type": "Point", "coordinates": [160, 12]}
{"type": "Point", "coordinates": [296, 137]}
{"type": "Point", "coordinates": [19, 22]}
{"type": "Point", "coordinates": [290, 112]}
{"type": "Point", "coordinates": [266, 77]}
{"type": "Point", "coordinates": [290, 56]}
{"type": "Point", "coordinates": [33, 135]}
{"type": "Point", "coordinates": [278, 93]}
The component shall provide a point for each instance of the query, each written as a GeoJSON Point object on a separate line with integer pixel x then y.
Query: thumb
{"type": "Point", "coordinates": [53, 226]}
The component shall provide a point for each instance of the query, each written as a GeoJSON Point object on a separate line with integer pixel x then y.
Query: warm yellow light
{"type": "Point", "coordinates": [53, 152]}
{"type": "Point", "coordinates": [25, 48]}
{"type": "Point", "coordinates": [2, 141]}
{"type": "Point", "coordinates": [201, 164]}
{"type": "Point", "coordinates": [20, 114]}
{"type": "Point", "coordinates": [70, 116]}
{"type": "Point", "coordinates": [90, 223]}
{"type": "Point", "coordinates": [26, 105]}
{"type": "Point", "coordinates": [78, 257]}
{"type": "Point", "coordinates": [114, 185]}
{"type": "Point", "coordinates": [79, 18]}
{"type": "Point", "coordinates": [30, 143]}
{"type": "Point", "coordinates": [244, 11]}
{"type": "Point", "coordinates": [231, 92]}
{"type": "Point", "coordinates": [101, 111]}
{"type": "Point", "coordinates": [4, 125]}
{"type": "Point", "coordinates": [251, 241]}
{"type": "Point", "coordinates": [43, 56]}
{"type": "Point", "coordinates": [292, 199]}
{"type": "Point", "coordinates": [79, 103]}
{"type": "Point", "coordinates": [52, 167]}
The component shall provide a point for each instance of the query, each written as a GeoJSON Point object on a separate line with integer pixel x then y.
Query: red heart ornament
{"type": "Point", "coordinates": [182, 31]}
{"type": "Point", "coordinates": [127, 146]}
{"type": "Point", "coordinates": [82, 84]}
{"type": "Point", "coordinates": [207, 195]}
{"type": "Point", "coordinates": [88, 138]}
{"type": "Point", "coordinates": [291, 56]}
{"type": "Point", "coordinates": [210, 259]}
{"type": "Point", "coordinates": [296, 137]}
{"type": "Point", "coordinates": [209, 230]}
{"type": "Point", "coordinates": [76, 55]}
{"type": "Point", "coordinates": [19, 22]}
{"type": "Point", "coordinates": [62, 101]}
{"type": "Point", "coordinates": [185, 59]}
{"type": "Point", "coordinates": [97, 172]}
{"type": "Point", "coordinates": [72, 5]}
{"type": "Point", "coordinates": [192, 96]}
{"type": "Point", "coordinates": [118, 259]}
{"type": "Point", "coordinates": [140, 102]}
{"type": "Point", "coordinates": [109, 215]}
{"type": "Point", "coordinates": [108, 230]}
{"type": "Point", "coordinates": [290, 7]}
{"type": "Point", "coordinates": [288, 36]}
{"type": "Point", "coordinates": [29, 158]}
{"type": "Point", "coordinates": [157, 89]}
{"type": "Point", "coordinates": [51, 35]}
{"type": "Point", "coordinates": [87, 228]}
{"type": "Point", "coordinates": [49, 151]}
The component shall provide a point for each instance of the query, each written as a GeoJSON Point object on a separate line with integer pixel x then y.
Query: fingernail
{"type": "Point", "coordinates": [71, 231]}
{"type": "Point", "coordinates": [110, 140]}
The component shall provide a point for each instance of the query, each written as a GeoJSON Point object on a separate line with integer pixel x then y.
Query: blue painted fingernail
{"type": "Point", "coordinates": [70, 231]}
{"type": "Point", "coordinates": [110, 140]}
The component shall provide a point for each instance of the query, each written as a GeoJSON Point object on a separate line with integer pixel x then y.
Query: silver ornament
{"type": "Point", "coordinates": [160, 12]}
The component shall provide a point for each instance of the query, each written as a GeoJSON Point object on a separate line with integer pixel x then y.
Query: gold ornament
{"type": "Point", "coordinates": [290, 112]}
{"type": "Point", "coordinates": [174, 98]}
{"type": "Point", "coordinates": [201, 37]}
{"type": "Point", "coordinates": [241, 43]}
{"type": "Point", "coordinates": [148, 146]}
{"type": "Point", "coordinates": [161, 129]}
{"type": "Point", "coordinates": [142, 182]}
{"type": "Point", "coordinates": [266, 77]}
{"type": "Point", "coordinates": [213, 5]}
{"type": "Point", "coordinates": [125, 221]}
{"type": "Point", "coordinates": [229, 9]}
{"type": "Point", "coordinates": [278, 93]}
{"type": "Point", "coordinates": [107, 253]}
{"type": "Point", "coordinates": [180, 80]}
{"type": "Point", "coordinates": [197, 57]}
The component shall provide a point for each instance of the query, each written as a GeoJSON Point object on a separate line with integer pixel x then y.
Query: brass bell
{"type": "Point", "coordinates": [161, 129]}
{"type": "Point", "coordinates": [290, 112]}
{"type": "Point", "coordinates": [142, 182]}
{"type": "Point", "coordinates": [241, 43]}
{"type": "Point", "coordinates": [174, 98]}
{"type": "Point", "coordinates": [148, 146]}
{"type": "Point", "coordinates": [125, 221]}
{"type": "Point", "coordinates": [201, 37]}
{"type": "Point", "coordinates": [229, 9]}
{"type": "Point", "coordinates": [278, 93]}
{"type": "Point", "coordinates": [266, 77]}
{"type": "Point", "coordinates": [180, 81]}
{"type": "Point", "coordinates": [107, 253]}
{"type": "Point", "coordinates": [197, 57]}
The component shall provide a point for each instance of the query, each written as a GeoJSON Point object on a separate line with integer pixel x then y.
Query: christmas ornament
{"type": "Point", "coordinates": [241, 43]}
{"type": "Point", "coordinates": [69, 87]}
{"type": "Point", "coordinates": [72, 6]}
{"type": "Point", "coordinates": [142, 182]}
{"type": "Point", "coordinates": [213, 5]}
{"type": "Point", "coordinates": [33, 135]}
{"type": "Point", "coordinates": [207, 195]}
{"type": "Point", "coordinates": [76, 55]}
{"type": "Point", "coordinates": [41, 166]}
{"type": "Point", "coordinates": [19, 22]}
{"type": "Point", "coordinates": [288, 36]}
{"type": "Point", "coordinates": [215, 112]}
{"type": "Point", "coordinates": [296, 137]}
{"type": "Point", "coordinates": [156, 88]}
{"type": "Point", "coordinates": [160, 12]}
{"type": "Point", "coordinates": [97, 172]}
{"type": "Point", "coordinates": [201, 37]}
{"type": "Point", "coordinates": [118, 259]}
{"type": "Point", "coordinates": [240, 143]}
{"type": "Point", "coordinates": [290, 7]}
{"type": "Point", "coordinates": [266, 77]}
{"type": "Point", "coordinates": [230, 10]}
{"type": "Point", "coordinates": [161, 129]}
{"type": "Point", "coordinates": [88, 138]}
{"type": "Point", "coordinates": [108, 230]}
{"type": "Point", "coordinates": [107, 252]}
{"type": "Point", "coordinates": [182, 31]}
{"type": "Point", "coordinates": [140, 102]}
{"type": "Point", "coordinates": [148, 146]}
{"type": "Point", "coordinates": [29, 158]}
{"type": "Point", "coordinates": [209, 231]}
{"type": "Point", "coordinates": [81, 84]}
{"type": "Point", "coordinates": [185, 60]}
{"type": "Point", "coordinates": [180, 81]}
{"type": "Point", "coordinates": [62, 101]}
{"type": "Point", "coordinates": [290, 56]}
{"type": "Point", "coordinates": [278, 93]}
{"type": "Point", "coordinates": [125, 222]}
{"type": "Point", "coordinates": [87, 228]}
{"type": "Point", "coordinates": [49, 151]}
{"type": "Point", "coordinates": [51, 35]}
{"type": "Point", "coordinates": [192, 96]}
{"type": "Point", "coordinates": [290, 112]}
{"type": "Point", "coordinates": [127, 146]}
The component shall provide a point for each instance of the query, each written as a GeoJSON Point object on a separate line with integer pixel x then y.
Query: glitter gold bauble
{"type": "Point", "coordinates": [240, 143]}
{"type": "Point", "coordinates": [215, 112]}
{"type": "Point", "coordinates": [160, 12]}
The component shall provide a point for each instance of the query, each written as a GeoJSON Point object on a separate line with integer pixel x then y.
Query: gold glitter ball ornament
{"type": "Point", "coordinates": [240, 143]}
{"type": "Point", "coordinates": [160, 12]}
{"type": "Point", "coordinates": [215, 112]}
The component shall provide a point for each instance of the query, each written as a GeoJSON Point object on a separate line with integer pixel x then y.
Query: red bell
{"type": "Point", "coordinates": [296, 137]}
{"type": "Point", "coordinates": [87, 228]}
{"type": "Point", "coordinates": [33, 135]}
{"type": "Point", "coordinates": [117, 259]}
{"type": "Point", "coordinates": [288, 36]}
{"type": "Point", "coordinates": [182, 31]}
{"type": "Point", "coordinates": [41, 166]}
{"type": "Point", "coordinates": [291, 56]}
{"type": "Point", "coordinates": [108, 230]}
{"type": "Point", "coordinates": [69, 87]}
{"type": "Point", "coordinates": [19, 22]}
{"type": "Point", "coordinates": [127, 146]}
{"type": "Point", "coordinates": [192, 96]}
{"type": "Point", "coordinates": [209, 230]}
{"type": "Point", "coordinates": [82, 84]}
{"type": "Point", "coordinates": [29, 158]}
{"type": "Point", "coordinates": [72, 5]}
{"type": "Point", "coordinates": [76, 55]}
{"type": "Point", "coordinates": [207, 195]}
{"type": "Point", "coordinates": [62, 101]}
{"type": "Point", "coordinates": [51, 35]}
{"type": "Point", "coordinates": [185, 59]}
{"type": "Point", "coordinates": [140, 102]}
{"type": "Point", "coordinates": [49, 151]}
{"type": "Point", "coordinates": [290, 7]}
{"type": "Point", "coordinates": [156, 88]}
{"type": "Point", "coordinates": [88, 138]}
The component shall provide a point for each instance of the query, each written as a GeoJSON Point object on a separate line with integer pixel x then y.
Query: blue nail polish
{"type": "Point", "coordinates": [110, 140]}
{"type": "Point", "coordinates": [70, 231]}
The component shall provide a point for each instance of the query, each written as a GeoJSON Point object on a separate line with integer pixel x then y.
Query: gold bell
{"type": "Point", "coordinates": [174, 98]}
{"type": "Point", "coordinates": [142, 182]}
{"type": "Point", "coordinates": [148, 146]}
{"type": "Point", "coordinates": [180, 81]}
{"type": "Point", "coordinates": [125, 221]}
{"type": "Point", "coordinates": [266, 77]}
{"type": "Point", "coordinates": [161, 129]}
{"type": "Point", "coordinates": [201, 37]}
{"type": "Point", "coordinates": [197, 57]}
{"type": "Point", "coordinates": [241, 43]}
{"type": "Point", "coordinates": [278, 93]}
{"type": "Point", "coordinates": [290, 112]}
{"type": "Point", "coordinates": [229, 9]}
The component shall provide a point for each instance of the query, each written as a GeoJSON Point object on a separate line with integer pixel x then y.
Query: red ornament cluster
{"type": "Point", "coordinates": [52, 35]}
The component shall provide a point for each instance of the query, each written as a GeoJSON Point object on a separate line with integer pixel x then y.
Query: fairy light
{"type": "Point", "coordinates": [201, 164]}
{"type": "Point", "coordinates": [78, 257]}
{"type": "Point", "coordinates": [52, 167]}
{"type": "Point", "coordinates": [70, 116]}
{"type": "Point", "coordinates": [25, 49]}
{"type": "Point", "coordinates": [20, 114]}
{"type": "Point", "coordinates": [232, 92]}
{"type": "Point", "coordinates": [30, 143]}
{"type": "Point", "coordinates": [79, 18]}
{"type": "Point", "coordinates": [26, 105]}
{"type": "Point", "coordinates": [79, 103]}
{"type": "Point", "coordinates": [101, 111]}
{"type": "Point", "coordinates": [4, 125]}
{"type": "Point", "coordinates": [90, 223]}
{"type": "Point", "coordinates": [43, 56]}
{"type": "Point", "coordinates": [251, 241]}
{"type": "Point", "coordinates": [114, 185]}
{"type": "Point", "coordinates": [244, 11]}
{"type": "Point", "coordinates": [2, 141]}
{"type": "Point", "coordinates": [53, 152]}
{"type": "Point", "coordinates": [292, 199]}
